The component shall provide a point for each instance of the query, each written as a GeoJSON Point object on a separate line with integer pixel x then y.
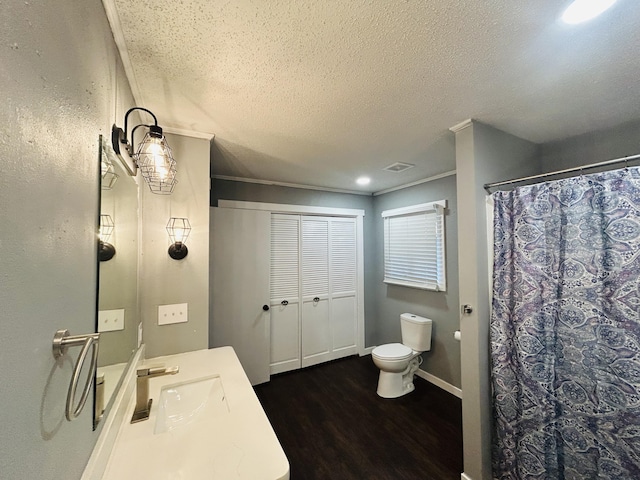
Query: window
{"type": "Point", "coordinates": [414, 246]}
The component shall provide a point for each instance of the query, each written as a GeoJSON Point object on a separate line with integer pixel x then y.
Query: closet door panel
{"type": "Point", "coordinates": [285, 337]}
{"type": "Point", "coordinates": [316, 331]}
{"type": "Point", "coordinates": [285, 293]}
{"type": "Point", "coordinates": [342, 241]}
{"type": "Point", "coordinates": [343, 285]}
{"type": "Point", "coordinates": [239, 247]}
{"type": "Point", "coordinates": [316, 334]}
{"type": "Point", "coordinates": [343, 325]}
{"type": "Point", "coordinates": [315, 257]}
{"type": "Point", "coordinates": [285, 258]}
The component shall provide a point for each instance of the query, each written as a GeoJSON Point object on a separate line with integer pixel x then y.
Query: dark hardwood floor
{"type": "Point", "coordinates": [332, 425]}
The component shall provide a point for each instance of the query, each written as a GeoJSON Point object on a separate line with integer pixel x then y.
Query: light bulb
{"type": "Point", "coordinates": [583, 10]}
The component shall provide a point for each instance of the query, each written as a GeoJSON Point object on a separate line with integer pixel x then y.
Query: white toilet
{"type": "Point", "coordinates": [398, 362]}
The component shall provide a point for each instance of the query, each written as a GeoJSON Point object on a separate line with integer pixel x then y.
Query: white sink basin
{"type": "Point", "coordinates": [184, 403]}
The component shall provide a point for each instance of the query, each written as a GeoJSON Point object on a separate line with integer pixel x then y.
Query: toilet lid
{"type": "Point", "coordinates": [392, 351]}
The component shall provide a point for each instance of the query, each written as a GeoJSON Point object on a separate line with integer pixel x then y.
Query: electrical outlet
{"type": "Point", "coordinates": [176, 313]}
{"type": "Point", "coordinates": [110, 320]}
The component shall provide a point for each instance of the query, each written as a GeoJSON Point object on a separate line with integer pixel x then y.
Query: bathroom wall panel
{"type": "Point", "coordinates": [62, 86]}
{"type": "Point", "coordinates": [443, 360]}
{"type": "Point", "coordinates": [618, 141]}
{"type": "Point", "coordinates": [163, 280]}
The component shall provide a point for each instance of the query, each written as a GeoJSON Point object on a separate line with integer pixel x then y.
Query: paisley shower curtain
{"type": "Point", "coordinates": [565, 329]}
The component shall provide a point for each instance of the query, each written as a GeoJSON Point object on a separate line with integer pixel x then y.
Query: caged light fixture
{"type": "Point", "coordinates": [108, 175]}
{"type": "Point", "coordinates": [152, 156]}
{"type": "Point", "coordinates": [178, 229]}
{"type": "Point", "coordinates": [106, 251]}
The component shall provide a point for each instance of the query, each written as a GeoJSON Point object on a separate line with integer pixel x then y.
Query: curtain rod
{"type": "Point", "coordinates": [488, 186]}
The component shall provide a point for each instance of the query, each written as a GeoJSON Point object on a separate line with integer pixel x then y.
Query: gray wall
{"type": "Point", "coordinates": [59, 79]}
{"type": "Point", "coordinates": [164, 280]}
{"type": "Point", "coordinates": [443, 360]}
{"type": "Point", "coordinates": [619, 141]}
{"type": "Point", "coordinates": [252, 192]}
{"type": "Point", "coordinates": [483, 154]}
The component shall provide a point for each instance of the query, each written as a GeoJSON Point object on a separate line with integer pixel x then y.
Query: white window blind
{"type": "Point", "coordinates": [414, 247]}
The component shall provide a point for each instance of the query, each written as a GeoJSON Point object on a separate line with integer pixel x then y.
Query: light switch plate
{"type": "Point", "coordinates": [176, 313]}
{"type": "Point", "coordinates": [110, 320]}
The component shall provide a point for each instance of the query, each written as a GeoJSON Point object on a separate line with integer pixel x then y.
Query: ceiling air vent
{"type": "Point", "coordinates": [398, 167]}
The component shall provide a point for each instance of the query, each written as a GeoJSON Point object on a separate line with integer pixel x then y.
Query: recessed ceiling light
{"type": "Point", "coordinates": [363, 181]}
{"type": "Point", "coordinates": [582, 10]}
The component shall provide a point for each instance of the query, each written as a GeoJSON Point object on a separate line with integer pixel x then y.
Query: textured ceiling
{"type": "Point", "coordinates": [319, 92]}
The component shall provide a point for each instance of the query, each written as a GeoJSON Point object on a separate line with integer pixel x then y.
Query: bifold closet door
{"type": "Point", "coordinates": [240, 243]}
{"type": "Point", "coordinates": [329, 280]}
{"type": "Point", "coordinates": [342, 286]}
{"type": "Point", "coordinates": [285, 293]}
{"type": "Point", "coordinates": [316, 329]}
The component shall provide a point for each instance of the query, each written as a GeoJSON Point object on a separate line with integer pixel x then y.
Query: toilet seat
{"type": "Point", "coordinates": [393, 351]}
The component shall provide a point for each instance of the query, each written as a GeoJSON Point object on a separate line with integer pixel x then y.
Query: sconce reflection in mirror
{"type": "Point", "coordinates": [178, 229]}
{"type": "Point", "coordinates": [152, 156]}
{"type": "Point", "coordinates": [106, 250]}
{"type": "Point", "coordinates": [108, 171]}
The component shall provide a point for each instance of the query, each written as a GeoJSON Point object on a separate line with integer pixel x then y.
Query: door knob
{"type": "Point", "coordinates": [316, 299]}
{"type": "Point", "coordinates": [285, 302]}
{"type": "Point", "coordinates": [265, 307]}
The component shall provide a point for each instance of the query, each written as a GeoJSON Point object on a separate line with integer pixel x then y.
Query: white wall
{"type": "Point", "coordinates": [59, 79]}
{"type": "Point", "coordinates": [164, 280]}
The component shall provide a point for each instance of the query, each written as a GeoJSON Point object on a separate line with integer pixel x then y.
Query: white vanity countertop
{"type": "Point", "coordinates": [241, 444]}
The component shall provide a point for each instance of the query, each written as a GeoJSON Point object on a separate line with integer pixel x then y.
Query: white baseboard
{"type": "Point", "coordinates": [447, 387]}
{"type": "Point", "coordinates": [464, 476]}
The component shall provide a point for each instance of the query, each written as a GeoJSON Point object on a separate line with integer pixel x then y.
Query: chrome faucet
{"type": "Point", "coordinates": [143, 402]}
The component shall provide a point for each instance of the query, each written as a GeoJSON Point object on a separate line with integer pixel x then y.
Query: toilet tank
{"type": "Point", "coordinates": [416, 332]}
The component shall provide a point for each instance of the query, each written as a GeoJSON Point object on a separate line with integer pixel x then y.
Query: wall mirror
{"type": "Point", "coordinates": [118, 313]}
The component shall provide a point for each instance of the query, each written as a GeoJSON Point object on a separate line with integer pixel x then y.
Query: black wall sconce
{"type": "Point", "coordinates": [152, 156]}
{"type": "Point", "coordinates": [106, 251]}
{"type": "Point", "coordinates": [178, 229]}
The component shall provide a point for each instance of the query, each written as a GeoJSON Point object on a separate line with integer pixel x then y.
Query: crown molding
{"type": "Point", "coordinates": [418, 182]}
{"type": "Point", "coordinates": [461, 126]}
{"type": "Point", "coordinates": [189, 133]}
{"type": "Point", "coordinates": [118, 36]}
{"type": "Point", "coordinates": [291, 185]}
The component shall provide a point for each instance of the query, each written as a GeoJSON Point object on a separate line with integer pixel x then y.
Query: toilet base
{"type": "Point", "coordinates": [394, 385]}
